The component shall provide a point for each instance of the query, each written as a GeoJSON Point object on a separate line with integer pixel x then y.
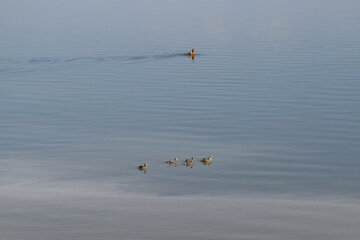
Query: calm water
{"type": "Point", "coordinates": [89, 91]}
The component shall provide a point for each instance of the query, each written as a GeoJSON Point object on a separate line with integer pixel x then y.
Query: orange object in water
{"type": "Point", "coordinates": [192, 52]}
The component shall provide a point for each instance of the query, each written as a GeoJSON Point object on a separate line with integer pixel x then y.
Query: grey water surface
{"type": "Point", "coordinates": [89, 90]}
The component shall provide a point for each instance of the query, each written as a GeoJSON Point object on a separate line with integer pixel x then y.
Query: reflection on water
{"type": "Point", "coordinates": [192, 57]}
{"type": "Point", "coordinates": [79, 211]}
{"type": "Point", "coordinates": [189, 165]}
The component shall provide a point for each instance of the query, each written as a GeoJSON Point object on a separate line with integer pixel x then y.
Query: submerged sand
{"type": "Point", "coordinates": [69, 210]}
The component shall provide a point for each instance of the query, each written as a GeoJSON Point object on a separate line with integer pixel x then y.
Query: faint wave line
{"type": "Point", "coordinates": [12, 65]}
{"type": "Point", "coordinates": [102, 59]}
{"type": "Point", "coordinates": [53, 60]}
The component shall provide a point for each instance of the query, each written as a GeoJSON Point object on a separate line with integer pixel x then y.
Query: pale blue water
{"type": "Point", "coordinates": [90, 91]}
{"type": "Point", "coordinates": [275, 97]}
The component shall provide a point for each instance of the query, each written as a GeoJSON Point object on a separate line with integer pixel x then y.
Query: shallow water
{"type": "Point", "coordinates": [273, 95]}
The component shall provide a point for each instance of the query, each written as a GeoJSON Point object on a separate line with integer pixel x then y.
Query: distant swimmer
{"type": "Point", "coordinates": [192, 53]}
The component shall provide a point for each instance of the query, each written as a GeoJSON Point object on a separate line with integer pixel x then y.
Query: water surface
{"type": "Point", "coordinates": [89, 91]}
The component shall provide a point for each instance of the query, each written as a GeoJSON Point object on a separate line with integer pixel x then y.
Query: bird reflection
{"type": "Point", "coordinates": [191, 165]}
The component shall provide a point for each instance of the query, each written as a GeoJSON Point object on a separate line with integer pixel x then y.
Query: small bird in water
{"type": "Point", "coordinates": [189, 160]}
{"type": "Point", "coordinates": [172, 162]}
{"type": "Point", "coordinates": [207, 160]}
{"type": "Point", "coordinates": [143, 167]}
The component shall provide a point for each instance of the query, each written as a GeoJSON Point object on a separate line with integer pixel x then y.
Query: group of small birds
{"type": "Point", "coordinates": [188, 162]}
